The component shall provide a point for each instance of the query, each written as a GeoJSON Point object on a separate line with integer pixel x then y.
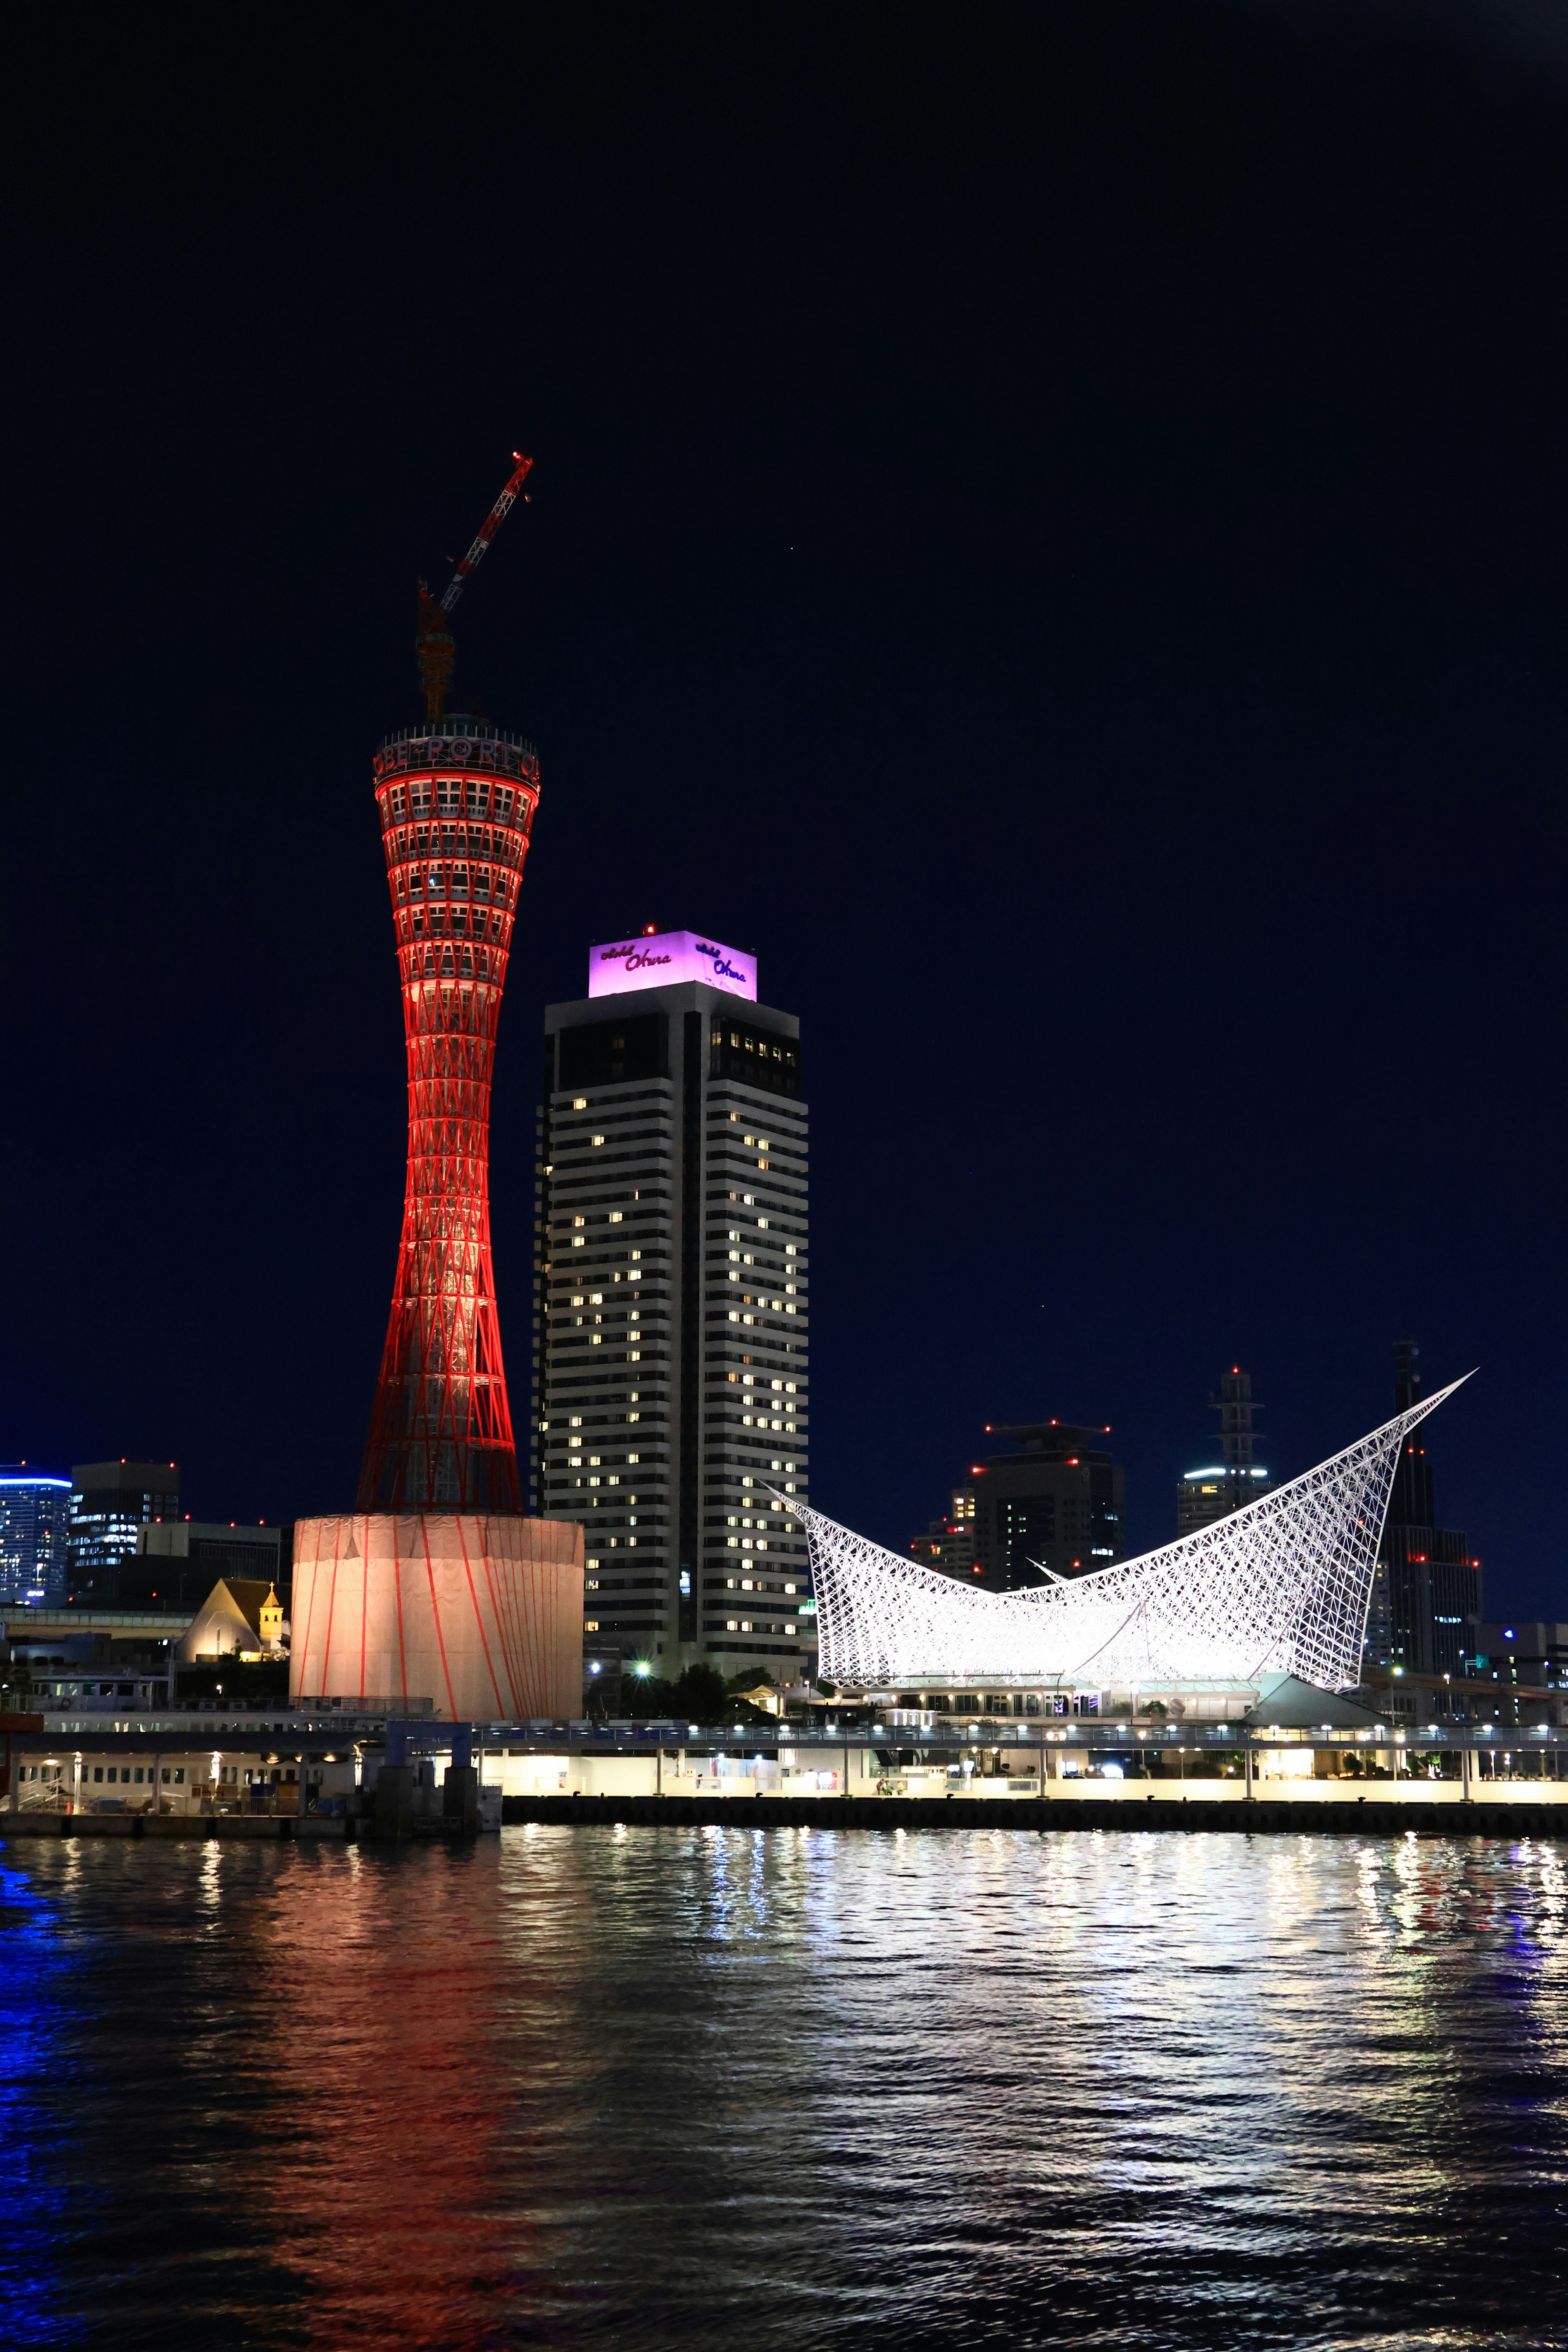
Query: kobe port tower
{"type": "Point", "coordinates": [436, 1591]}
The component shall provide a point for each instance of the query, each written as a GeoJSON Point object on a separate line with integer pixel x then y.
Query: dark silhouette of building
{"type": "Point", "coordinates": [1056, 1506]}
{"type": "Point", "coordinates": [1527, 1653]}
{"type": "Point", "coordinates": [177, 1562]}
{"type": "Point", "coordinates": [1238, 1477]}
{"type": "Point", "coordinates": [1427, 1588]}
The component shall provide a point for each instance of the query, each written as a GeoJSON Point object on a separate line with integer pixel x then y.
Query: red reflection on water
{"type": "Point", "coordinates": [408, 2031]}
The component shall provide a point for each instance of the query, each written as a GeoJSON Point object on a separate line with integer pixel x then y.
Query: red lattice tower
{"type": "Point", "coordinates": [457, 800]}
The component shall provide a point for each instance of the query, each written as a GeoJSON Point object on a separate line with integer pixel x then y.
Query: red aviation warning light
{"type": "Point", "coordinates": [433, 646]}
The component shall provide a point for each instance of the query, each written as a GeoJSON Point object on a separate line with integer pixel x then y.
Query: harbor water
{"type": "Point", "coordinates": [730, 2087]}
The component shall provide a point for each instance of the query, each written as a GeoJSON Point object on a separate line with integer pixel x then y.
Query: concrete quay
{"type": "Point", "coordinates": [1407, 1814]}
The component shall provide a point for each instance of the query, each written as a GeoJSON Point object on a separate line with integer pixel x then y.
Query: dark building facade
{"type": "Point", "coordinates": [1527, 1653]}
{"type": "Point", "coordinates": [1427, 1592]}
{"type": "Point", "coordinates": [110, 1503]}
{"type": "Point", "coordinates": [671, 1325]}
{"type": "Point", "coordinates": [177, 1562]}
{"type": "Point", "coordinates": [1216, 1490]}
{"type": "Point", "coordinates": [1056, 1504]}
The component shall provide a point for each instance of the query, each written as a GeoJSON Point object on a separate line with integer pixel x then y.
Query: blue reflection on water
{"type": "Point", "coordinates": [31, 1968]}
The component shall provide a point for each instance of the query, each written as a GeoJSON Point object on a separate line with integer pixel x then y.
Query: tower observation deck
{"type": "Point", "coordinates": [456, 798]}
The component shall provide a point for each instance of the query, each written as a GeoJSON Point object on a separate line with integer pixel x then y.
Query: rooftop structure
{"type": "Point", "coordinates": [1279, 1587]}
{"type": "Point", "coordinates": [1217, 1488]}
{"type": "Point", "coordinates": [241, 1617]}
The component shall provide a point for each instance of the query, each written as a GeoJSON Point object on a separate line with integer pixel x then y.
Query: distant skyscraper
{"type": "Point", "coordinates": [949, 1544]}
{"type": "Point", "coordinates": [34, 1523]}
{"type": "Point", "coordinates": [1238, 1477]}
{"type": "Point", "coordinates": [1427, 1588]}
{"type": "Point", "coordinates": [1059, 1501]}
{"type": "Point", "coordinates": [111, 1502]}
{"type": "Point", "coordinates": [670, 1295]}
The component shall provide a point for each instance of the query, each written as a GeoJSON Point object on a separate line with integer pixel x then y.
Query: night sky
{"type": "Point", "coordinates": [1049, 528]}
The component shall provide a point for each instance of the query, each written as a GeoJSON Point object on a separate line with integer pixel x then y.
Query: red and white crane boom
{"type": "Point", "coordinates": [487, 530]}
{"type": "Point", "coordinates": [433, 646]}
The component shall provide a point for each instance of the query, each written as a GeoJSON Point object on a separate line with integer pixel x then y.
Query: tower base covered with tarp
{"type": "Point", "coordinates": [481, 1615]}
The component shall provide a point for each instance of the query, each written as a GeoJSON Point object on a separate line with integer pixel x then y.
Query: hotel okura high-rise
{"type": "Point", "coordinates": [670, 1314]}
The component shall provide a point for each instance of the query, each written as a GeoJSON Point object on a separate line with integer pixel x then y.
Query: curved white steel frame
{"type": "Point", "coordinates": [1282, 1586]}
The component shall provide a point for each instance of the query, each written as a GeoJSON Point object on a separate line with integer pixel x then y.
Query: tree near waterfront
{"type": "Point", "coordinates": [699, 1693]}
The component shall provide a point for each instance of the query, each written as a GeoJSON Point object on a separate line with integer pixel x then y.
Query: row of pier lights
{"type": "Point", "coordinates": [331, 1769]}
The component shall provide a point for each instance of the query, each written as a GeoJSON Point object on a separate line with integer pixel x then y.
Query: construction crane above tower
{"type": "Point", "coordinates": [434, 647]}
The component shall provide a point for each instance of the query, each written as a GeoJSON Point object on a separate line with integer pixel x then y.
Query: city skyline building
{"type": "Point", "coordinates": [949, 1544]}
{"type": "Point", "coordinates": [1426, 1596]}
{"type": "Point", "coordinates": [670, 1291]}
{"type": "Point", "coordinates": [1056, 1506]}
{"type": "Point", "coordinates": [177, 1561]}
{"type": "Point", "coordinates": [1215, 1490]}
{"type": "Point", "coordinates": [1527, 1650]}
{"type": "Point", "coordinates": [35, 1534]}
{"type": "Point", "coordinates": [110, 1503]}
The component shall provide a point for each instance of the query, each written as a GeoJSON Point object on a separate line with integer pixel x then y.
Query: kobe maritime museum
{"type": "Point", "coordinates": [1279, 1590]}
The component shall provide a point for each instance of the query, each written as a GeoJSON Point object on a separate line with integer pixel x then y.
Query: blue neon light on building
{"type": "Point", "coordinates": [35, 1524]}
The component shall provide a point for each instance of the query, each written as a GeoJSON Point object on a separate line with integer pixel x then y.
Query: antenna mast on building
{"type": "Point", "coordinates": [433, 646]}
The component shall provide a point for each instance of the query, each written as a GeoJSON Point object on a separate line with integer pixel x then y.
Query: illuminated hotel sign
{"type": "Point", "coordinates": [660, 958]}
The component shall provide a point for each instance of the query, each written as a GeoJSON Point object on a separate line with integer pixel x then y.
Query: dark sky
{"type": "Point", "coordinates": [1049, 529]}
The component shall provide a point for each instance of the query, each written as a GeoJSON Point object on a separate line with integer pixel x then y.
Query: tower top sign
{"type": "Point", "coordinates": [658, 958]}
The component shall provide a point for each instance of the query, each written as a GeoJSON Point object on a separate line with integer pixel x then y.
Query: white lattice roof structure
{"type": "Point", "coordinates": [1279, 1587]}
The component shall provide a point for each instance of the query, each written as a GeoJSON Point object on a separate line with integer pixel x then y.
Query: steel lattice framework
{"type": "Point", "coordinates": [1282, 1586]}
{"type": "Point", "coordinates": [457, 801]}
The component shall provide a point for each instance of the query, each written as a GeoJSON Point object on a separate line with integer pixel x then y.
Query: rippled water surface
{"type": "Point", "coordinates": [733, 2087]}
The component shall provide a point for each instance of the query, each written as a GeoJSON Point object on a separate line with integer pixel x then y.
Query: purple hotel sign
{"type": "Point", "coordinates": [660, 958]}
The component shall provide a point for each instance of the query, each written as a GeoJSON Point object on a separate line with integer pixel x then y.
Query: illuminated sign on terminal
{"type": "Point", "coordinates": [658, 958]}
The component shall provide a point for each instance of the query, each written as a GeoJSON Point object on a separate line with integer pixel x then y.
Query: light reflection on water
{"type": "Point", "coordinates": [668, 2087]}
